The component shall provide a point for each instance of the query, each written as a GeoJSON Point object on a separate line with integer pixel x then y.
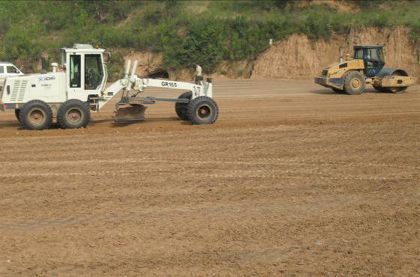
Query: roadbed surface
{"type": "Point", "coordinates": [292, 179]}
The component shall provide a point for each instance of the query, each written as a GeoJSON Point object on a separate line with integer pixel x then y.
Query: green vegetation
{"type": "Point", "coordinates": [187, 33]}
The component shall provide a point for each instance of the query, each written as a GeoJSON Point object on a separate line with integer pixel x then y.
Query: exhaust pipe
{"type": "Point", "coordinates": [133, 69]}
{"type": "Point", "coordinates": [127, 68]}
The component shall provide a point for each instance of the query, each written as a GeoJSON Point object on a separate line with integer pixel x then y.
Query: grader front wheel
{"type": "Point", "coordinates": [202, 110]}
{"type": "Point", "coordinates": [181, 109]}
{"type": "Point", "coordinates": [73, 114]}
{"type": "Point", "coordinates": [35, 115]}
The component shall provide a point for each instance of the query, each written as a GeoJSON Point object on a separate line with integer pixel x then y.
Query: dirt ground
{"type": "Point", "coordinates": [292, 179]}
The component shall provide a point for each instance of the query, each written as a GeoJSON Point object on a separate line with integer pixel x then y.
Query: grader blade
{"type": "Point", "coordinates": [129, 113]}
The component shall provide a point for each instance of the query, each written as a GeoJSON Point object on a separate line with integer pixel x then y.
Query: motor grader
{"type": "Point", "coordinates": [366, 67]}
{"type": "Point", "coordinates": [78, 86]}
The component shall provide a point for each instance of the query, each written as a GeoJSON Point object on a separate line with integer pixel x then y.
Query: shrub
{"type": "Point", "coordinates": [185, 33]}
{"type": "Point", "coordinates": [18, 43]}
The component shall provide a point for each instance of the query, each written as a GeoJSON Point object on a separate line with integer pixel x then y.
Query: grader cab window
{"type": "Point", "coordinates": [12, 69]}
{"type": "Point", "coordinates": [75, 67]}
{"type": "Point", "coordinates": [93, 71]}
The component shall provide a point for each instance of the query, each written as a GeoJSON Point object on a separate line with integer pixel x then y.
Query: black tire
{"type": "Point", "coordinates": [398, 90]}
{"type": "Point", "coordinates": [202, 110]}
{"type": "Point", "coordinates": [380, 89]}
{"type": "Point", "coordinates": [73, 114]}
{"type": "Point", "coordinates": [390, 90]}
{"type": "Point", "coordinates": [35, 115]}
{"type": "Point", "coordinates": [354, 83]}
{"type": "Point", "coordinates": [336, 90]}
{"type": "Point", "coordinates": [17, 111]}
{"type": "Point", "coordinates": [181, 109]}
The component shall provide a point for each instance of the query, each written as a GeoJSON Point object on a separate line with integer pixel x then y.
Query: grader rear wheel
{"type": "Point", "coordinates": [35, 115]}
{"type": "Point", "coordinates": [17, 112]}
{"type": "Point", "coordinates": [73, 114]}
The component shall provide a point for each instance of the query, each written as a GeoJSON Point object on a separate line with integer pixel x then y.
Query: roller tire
{"type": "Point", "coordinates": [73, 114]}
{"type": "Point", "coordinates": [336, 90]}
{"type": "Point", "coordinates": [181, 109]}
{"type": "Point", "coordinates": [354, 83]}
{"type": "Point", "coordinates": [380, 89]}
{"type": "Point", "coordinates": [202, 110]}
{"type": "Point", "coordinates": [391, 90]}
{"type": "Point", "coordinates": [35, 115]}
{"type": "Point", "coordinates": [398, 90]}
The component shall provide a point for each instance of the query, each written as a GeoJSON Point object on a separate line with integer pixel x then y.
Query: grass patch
{"type": "Point", "coordinates": [187, 33]}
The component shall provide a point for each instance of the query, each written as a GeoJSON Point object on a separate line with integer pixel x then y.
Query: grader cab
{"type": "Point", "coordinates": [366, 67]}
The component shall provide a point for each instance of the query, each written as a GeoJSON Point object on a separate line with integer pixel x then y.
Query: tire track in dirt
{"type": "Point", "coordinates": [292, 180]}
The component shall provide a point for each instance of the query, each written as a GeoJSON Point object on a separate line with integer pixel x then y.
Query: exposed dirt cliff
{"type": "Point", "coordinates": [299, 57]}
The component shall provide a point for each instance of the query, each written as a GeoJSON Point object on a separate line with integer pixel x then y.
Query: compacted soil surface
{"type": "Point", "coordinates": [292, 179]}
